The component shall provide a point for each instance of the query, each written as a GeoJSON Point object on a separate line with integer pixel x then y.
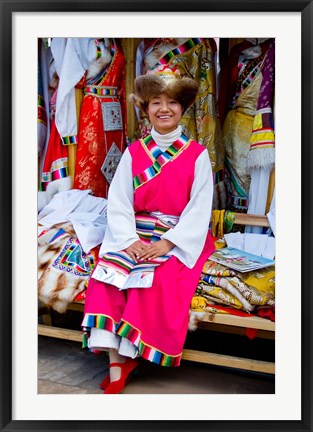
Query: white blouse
{"type": "Point", "coordinates": [188, 235]}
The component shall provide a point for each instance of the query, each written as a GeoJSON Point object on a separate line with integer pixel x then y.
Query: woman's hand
{"type": "Point", "coordinates": [135, 249]}
{"type": "Point", "coordinates": [156, 249]}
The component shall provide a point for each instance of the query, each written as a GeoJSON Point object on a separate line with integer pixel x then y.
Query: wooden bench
{"type": "Point", "coordinates": [226, 323]}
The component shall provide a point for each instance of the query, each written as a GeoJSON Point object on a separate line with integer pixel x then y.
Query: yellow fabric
{"type": "Point", "coordinates": [256, 137]}
{"type": "Point", "coordinates": [263, 280]}
{"type": "Point", "coordinates": [217, 223]}
{"type": "Point", "coordinates": [213, 293]}
{"type": "Point", "coordinates": [239, 290]}
{"type": "Point", "coordinates": [202, 123]}
{"type": "Point", "coordinates": [237, 130]}
{"type": "Point", "coordinates": [200, 304]}
{"type": "Point", "coordinates": [257, 123]}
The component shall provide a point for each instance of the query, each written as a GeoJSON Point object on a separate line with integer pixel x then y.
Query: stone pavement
{"type": "Point", "coordinates": [64, 368]}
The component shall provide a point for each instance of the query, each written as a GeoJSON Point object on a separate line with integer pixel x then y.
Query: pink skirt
{"type": "Point", "coordinates": [154, 319]}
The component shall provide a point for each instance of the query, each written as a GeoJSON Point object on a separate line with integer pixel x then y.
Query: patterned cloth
{"type": "Point", "coordinates": [262, 140]}
{"type": "Point", "coordinates": [248, 124]}
{"type": "Point", "coordinates": [63, 267]}
{"type": "Point", "coordinates": [102, 127]}
{"type": "Point", "coordinates": [245, 291]}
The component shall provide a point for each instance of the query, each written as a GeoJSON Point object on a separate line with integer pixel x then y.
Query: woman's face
{"type": "Point", "coordinates": [164, 113]}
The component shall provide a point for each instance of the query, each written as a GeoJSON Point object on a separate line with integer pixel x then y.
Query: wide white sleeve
{"type": "Point", "coordinates": [190, 233]}
{"type": "Point", "coordinates": [121, 228]}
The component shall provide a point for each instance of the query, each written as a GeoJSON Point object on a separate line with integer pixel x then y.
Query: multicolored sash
{"type": "Point", "coordinates": [119, 269]}
{"type": "Point", "coordinates": [158, 157]}
{"type": "Point", "coordinates": [190, 43]}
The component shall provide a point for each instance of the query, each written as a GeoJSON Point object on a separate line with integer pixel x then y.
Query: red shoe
{"type": "Point", "coordinates": [127, 368]}
{"type": "Point", "coordinates": [105, 382]}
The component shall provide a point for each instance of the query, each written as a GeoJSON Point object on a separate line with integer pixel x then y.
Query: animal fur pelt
{"type": "Point", "coordinates": [63, 267]}
{"type": "Point", "coordinates": [195, 318]}
{"type": "Point", "coordinates": [183, 89]}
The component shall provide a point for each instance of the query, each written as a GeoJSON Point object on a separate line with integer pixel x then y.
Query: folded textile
{"type": "Point", "coordinates": [222, 286]}
{"type": "Point", "coordinates": [87, 214]}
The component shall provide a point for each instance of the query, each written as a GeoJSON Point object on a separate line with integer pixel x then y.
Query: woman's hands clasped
{"type": "Point", "coordinates": [156, 249]}
{"type": "Point", "coordinates": [139, 251]}
{"type": "Point", "coordinates": [136, 249]}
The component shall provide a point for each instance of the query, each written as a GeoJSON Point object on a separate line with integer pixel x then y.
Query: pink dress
{"type": "Point", "coordinates": [154, 319]}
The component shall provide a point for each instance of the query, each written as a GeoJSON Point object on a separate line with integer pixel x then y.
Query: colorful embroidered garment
{"type": "Point", "coordinates": [102, 127]}
{"type": "Point", "coordinates": [56, 160]}
{"type": "Point", "coordinates": [159, 158]}
{"type": "Point", "coordinates": [145, 316]}
{"type": "Point", "coordinates": [262, 141]}
{"type": "Point", "coordinates": [248, 127]}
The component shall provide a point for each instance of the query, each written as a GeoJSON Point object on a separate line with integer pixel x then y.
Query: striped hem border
{"type": "Point", "coordinates": [147, 352]}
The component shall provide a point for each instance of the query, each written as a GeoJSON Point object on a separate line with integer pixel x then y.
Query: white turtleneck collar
{"type": "Point", "coordinates": [165, 140]}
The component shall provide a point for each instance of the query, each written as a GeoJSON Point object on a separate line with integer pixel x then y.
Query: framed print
{"type": "Point", "coordinates": [22, 24]}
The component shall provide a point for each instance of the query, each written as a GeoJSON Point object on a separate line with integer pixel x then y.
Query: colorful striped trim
{"type": "Point", "coordinates": [71, 139]}
{"type": "Point", "coordinates": [119, 261]}
{"type": "Point", "coordinates": [190, 43]}
{"type": "Point", "coordinates": [103, 322]}
{"type": "Point", "coordinates": [237, 202]}
{"type": "Point", "coordinates": [59, 170]}
{"type": "Point", "coordinates": [99, 321]}
{"type": "Point", "coordinates": [119, 269]}
{"type": "Point", "coordinates": [219, 176]}
{"type": "Point", "coordinates": [42, 115]}
{"type": "Point", "coordinates": [159, 158]}
{"type": "Point", "coordinates": [147, 352]}
{"type": "Point", "coordinates": [233, 178]}
{"type": "Point", "coordinates": [101, 91]}
{"type": "Point", "coordinates": [150, 228]}
{"type": "Point", "coordinates": [98, 49]}
{"type": "Point", "coordinates": [59, 173]}
{"type": "Point", "coordinates": [262, 133]}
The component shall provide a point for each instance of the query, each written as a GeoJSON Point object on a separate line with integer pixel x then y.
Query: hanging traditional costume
{"type": "Point", "coordinates": [243, 130]}
{"type": "Point", "coordinates": [261, 157]}
{"type": "Point", "coordinates": [75, 60]}
{"type": "Point", "coordinates": [43, 125]}
{"type": "Point", "coordinates": [194, 58]}
{"type": "Point", "coordinates": [102, 126]}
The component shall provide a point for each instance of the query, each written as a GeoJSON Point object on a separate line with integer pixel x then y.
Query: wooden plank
{"type": "Point", "coordinates": [241, 331]}
{"type": "Point", "coordinates": [76, 307]}
{"type": "Point", "coordinates": [229, 361]}
{"type": "Point", "coordinates": [270, 191]}
{"type": "Point", "coordinates": [234, 320]}
{"type": "Point", "coordinates": [251, 219]}
{"type": "Point", "coordinates": [60, 333]}
{"type": "Point", "coordinates": [191, 355]}
{"type": "Point", "coordinates": [224, 319]}
{"type": "Point", "coordinates": [129, 46]}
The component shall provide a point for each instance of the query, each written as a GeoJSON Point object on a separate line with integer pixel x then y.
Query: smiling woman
{"type": "Point", "coordinates": [157, 237]}
{"type": "Point", "coordinates": [164, 113]}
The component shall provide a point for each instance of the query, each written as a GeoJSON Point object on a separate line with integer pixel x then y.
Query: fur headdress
{"type": "Point", "coordinates": [182, 89]}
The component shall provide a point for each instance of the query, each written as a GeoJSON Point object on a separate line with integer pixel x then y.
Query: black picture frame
{"type": "Point", "coordinates": [7, 9]}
